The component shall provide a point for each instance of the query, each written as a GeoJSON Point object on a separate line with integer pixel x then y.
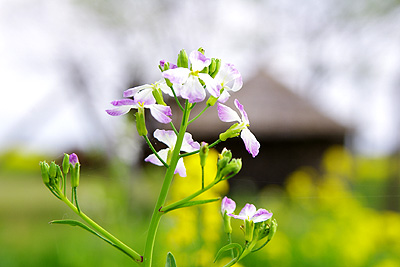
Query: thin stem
{"type": "Point", "coordinates": [202, 177]}
{"type": "Point", "coordinates": [176, 99]}
{"type": "Point", "coordinates": [197, 151]}
{"type": "Point", "coordinates": [198, 115]}
{"type": "Point", "coordinates": [155, 152]}
{"type": "Point", "coordinates": [230, 242]}
{"type": "Point", "coordinates": [133, 254]}
{"type": "Point", "coordinates": [157, 213]}
{"type": "Point", "coordinates": [173, 127]}
{"type": "Point", "coordinates": [188, 198]}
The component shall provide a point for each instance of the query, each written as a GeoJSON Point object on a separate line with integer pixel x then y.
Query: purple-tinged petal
{"type": "Point", "coordinates": [172, 66]}
{"type": "Point", "coordinates": [227, 73]}
{"type": "Point", "coordinates": [73, 159]}
{"type": "Point", "coordinates": [198, 60]}
{"type": "Point", "coordinates": [145, 96]}
{"type": "Point", "coordinates": [240, 107]}
{"type": "Point", "coordinates": [119, 110]}
{"type": "Point", "coordinates": [132, 91]}
{"type": "Point", "coordinates": [237, 84]}
{"type": "Point", "coordinates": [224, 96]}
{"type": "Point", "coordinates": [160, 112]}
{"type": "Point", "coordinates": [227, 114]}
{"type": "Point", "coordinates": [188, 145]}
{"type": "Point", "coordinates": [168, 137]}
{"type": "Point", "coordinates": [162, 63]}
{"type": "Point", "coordinates": [211, 85]}
{"type": "Point", "coordinates": [261, 215]}
{"type": "Point", "coordinates": [250, 142]}
{"type": "Point", "coordinates": [248, 211]}
{"type": "Point", "coordinates": [176, 76]}
{"type": "Point", "coordinates": [165, 89]}
{"type": "Point", "coordinates": [180, 168]}
{"type": "Point", "coordinates": [163, 153]}
{"type": "Point", "coordinates": [192, 90]}
{"type": "Point", "coordinates": [227, 205]}
{"type": "Point", "coordinates": [123, 102]}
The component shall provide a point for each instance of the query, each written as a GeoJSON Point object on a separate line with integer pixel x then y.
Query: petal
{"type": "Point", "coordinates": [240, 107]}
{"type": "Point", "coordinates": [163, 153]}
{"type": "Point", "coordinates": [188, 145]}
{"type": "Point", "coordinates": [118, 111]}
{"type": "Point", "coordinates": [176, 76]}
{"type": "Point", "coordinates": [73, 159]}
{"type": "Point", "coordinates": [261, 215]}
{"type": "Point", "coordinates": [145, 96]}
{"type": "Point", "coordinates": [224, 96]}
{"type": "Point", "coordinates": [167, 137]}
{"type": "Point", "coordinates": [160, 112]}
{"type": "Point", "coordinates": [237, 84]}
{"type": "Point", "coordinates": [211, 85]}
{"type": "Point", "coordinates": [123, 102]}
{"type": "Point", "coordinates": [165, 89]}
{"type": "Point", "coordinates": [180, 168]}
{"type": "Point", "coordinates": [227, 73]}
{"type": "Point", "coordinates": [193, 90]}
{"type": "Point", "coordinates": [132, 91]}
{"type": "Point", "coordinates": [250, 142]}
{"type": "Point", "coordinates": [248, 211]}
{"type": "Point", "coordinates": [227, 205]}
{"type": "Point", "coordinates": [227, 114]}
{"type": "Point", "coordinates": [198, 60]}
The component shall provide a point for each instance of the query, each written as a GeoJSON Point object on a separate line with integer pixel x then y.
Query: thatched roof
{"type": "Point", "coordinates": [273, 110]}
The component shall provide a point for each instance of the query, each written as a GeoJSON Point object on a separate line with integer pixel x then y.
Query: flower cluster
{"type": "Point", "coordinates": [191, 78]}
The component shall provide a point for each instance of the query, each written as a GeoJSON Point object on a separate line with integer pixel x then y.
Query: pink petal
{"type": "Point", "coordinates": [145, 96]}
{"type": "Point", "coordinates": [224, 96]}
{"type": "Point", "coordinates": [176, 76]}
{"type": "Point", "coordinates": [167, 137]}
{"type": "Point", "coordinates": [250, 142]}
{"type": "Point", "coordinates": [211, 85]}
{"type": "Point", "coordinates": [180, 168]}
{"type": "Point", "coordinates": [188, 145]}
{"type": "Point", "coordinates": [227, 205]}
{"type": "Point", "coordinates": [240, 107]}
{"type": "Point", "coordinates": [261, 215]}
{"type": "Point", "coordinates": [248, 211]}
{"type": "Point", "coordinates": [132, 91]}
{"type": "Point", "coordinates": [227, 114]}
{"type": "Point", "coordinates": [163, 153]}
{"type": "Point", "coordinates": [119, 110]}
{"type": "Point", "coordinates": [123, 102]}
{"type": "Point", "coordinates": [193, 90]}
{"type": "Point", "coordinates": [160, 113]}
{"type": "Point", "coordinates": [198, 60]}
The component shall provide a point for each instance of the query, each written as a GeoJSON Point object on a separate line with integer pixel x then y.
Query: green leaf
{"type": "Point", "coordinates": [191, 203]}
{"type": "Point", "coordinates": [170, 260]}
{"type": "Point", "coordinates": [228, 247]}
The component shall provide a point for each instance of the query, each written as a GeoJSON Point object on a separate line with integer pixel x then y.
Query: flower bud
{"type": "Point", "coordinates": [44, 167]}
{"type": "Point", "coordinates": [183, 60]}
{"type": "Point", "coordinates": [217, 65]}
{"type": "Point", "coordinates": [227, 223]}
{"type": "Point", "coordinates": [272, 229]}
{"type": "Point", "coordinates": [163, 66]}
{"type": "Point", "coordinates": [201, 50]}
{"type": "Point", "coordinates": [53, 170]}
{"type": "Point", "coordinates": [233, 131]}
{"type": "Point", "coordinates": [232, 168]}
{"type": "Point", "coordinates": [65, 163]}
{"type": "Point", "coordinates": [225, 157]}
{"type": "Point", "coordinates": [158, 96]}
{"type": "Point", "coordinates": [75, 169]}
{"type": "Point", "coordinates": [203, 153]}
{"type": "Point", "coordinates": [140, 121]}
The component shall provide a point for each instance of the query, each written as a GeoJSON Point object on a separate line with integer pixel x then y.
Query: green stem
{"type": "Point", "coordinates": [133, 254]}
{"type": "Point", "coordinates": [188, 198]}
{"type": "Point", "coordinates": [173, 127]}
{"type": "Point", "coordinates": [197, 151]}
{"type": "Point", "coordinates": [157, 213]}
{"type": "Point", "coordinates": [198, 115]}
{"type": "Point", "coordinates": [154, 151]}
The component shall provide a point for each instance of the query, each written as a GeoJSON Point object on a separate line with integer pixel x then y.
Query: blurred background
{"type": "Point", "coordinates": [321, 88]}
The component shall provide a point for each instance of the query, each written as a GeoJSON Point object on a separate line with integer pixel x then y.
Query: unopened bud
{"type": "Point", "coordinates": [225, 157]}
{"type": "Point", "coordinates": [65, 163]}
{"type": "Point", "coordinates": [203, 153]}
{"type": "Point", "coordinates": [227, 223]}
{"type": "Point", "coordinates": [248, 230]}
{"type": "Point", "coordinates": [217, 65]}
{"type": "Point", "coordinates": [75, 173]}
{"type": "Point", "coordinates": [183, 60]}
{"type": "Point", "coordinates": [44, 167]}
{"type": "Point", "coordinates": [272, 229]}
{"type": "Point", "coordinates": [201, 50]}
{"type": "Point", "coordinates": [157, 93]}
{"type": "Point", "coordinates": [232, 168]}
{"type": "Point", "coordinates": [53, 170]}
